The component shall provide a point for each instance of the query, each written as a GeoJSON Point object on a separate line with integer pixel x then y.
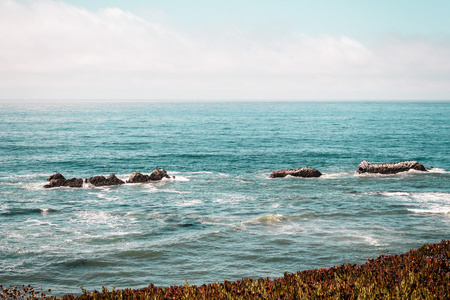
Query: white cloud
{"type": "Point", "coordinates": [50, 49]}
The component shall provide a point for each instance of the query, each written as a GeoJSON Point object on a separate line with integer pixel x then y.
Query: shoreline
{"type": "Point", "coordinates": [422, 273]}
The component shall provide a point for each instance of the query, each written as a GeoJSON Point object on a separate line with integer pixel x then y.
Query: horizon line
{"type": "Point", "coordinates": [173, 100]}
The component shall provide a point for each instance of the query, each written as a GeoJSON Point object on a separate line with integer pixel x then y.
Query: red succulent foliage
{"type": "Point", "coordinates": [418, 274]}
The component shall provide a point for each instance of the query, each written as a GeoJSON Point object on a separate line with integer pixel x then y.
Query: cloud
{"type": "Point", "coordinates": [50, 49]}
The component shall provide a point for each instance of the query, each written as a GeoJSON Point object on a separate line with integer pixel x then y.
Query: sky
{"type": "Point", "coordinates": [225, 50]}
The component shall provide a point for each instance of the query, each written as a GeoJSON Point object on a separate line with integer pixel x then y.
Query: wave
{"type": "Point", "coordinates": [137, 254]}
{"type": "Point", "coordinates": [46, 211]}
{"type": "Point", "coordinates": [359, 236]}
{"type": "Point", "coordinates": [337, 175]}
{"type": "Point", "coordinates": [40, 223]}
{"type": "Point", "coordinates": [98, 217]}
{"type": "Point", "coordinates": [25, 211]}
{"type": "Point", "coordinates": [424, 202]}
{"type": "Point", "coordinates": [437, 210]}
{"type": "Point", "coordinates": [278, 224]}
{"type": "Point", "coordinates": [84, 263]}
{"type": "Point", "coordinates": [268, 220]}
{"type": "Point", "coordinates": [421, 196]}
{"type": "Point", "coordinates": [397, 195]}
{"type": "Point", "coordinates": [410, 172]}
{"type": "Point", "coordinates": [178, 178]}
{"type": "Point", "coordinates": [432, 196]}
{"type": "Point", "coordinates": [374, 242]}
{"type": "Point", "coordinates": [102, 194]}
{"type": "Point", "coordinates": [172, 191]}
{"type": "Point", "coordinates": [438, 171]}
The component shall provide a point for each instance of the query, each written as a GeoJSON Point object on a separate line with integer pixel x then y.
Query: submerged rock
{"type": "Point", "coordinates": [391, 168]}
{"type": "Point", "coordinates": [102, 181]}
{"type": "Point", "coordinates": [303, 172]}
{"type": "Point", "coordinates": [157, 174]}
{"type": "Point", "coordinates": [58, 180]}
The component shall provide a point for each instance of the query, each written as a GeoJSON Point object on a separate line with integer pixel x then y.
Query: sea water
{"type": "Point", "coordinates": [221, 217]}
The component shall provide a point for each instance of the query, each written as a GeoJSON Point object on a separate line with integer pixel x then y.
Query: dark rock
{"type": "Point", "coordinates": [74, 182]}
{"type": "Point", "coordinates": [137, 177]}
{"type": "Point", "coordinates": [57, 180]}
{"type": "Point", "coordinates": [102, 181]}
{"type": "Point", "coordinates": [391, 168]}
{"type": "Point", "coordinates": [55, 176]}
{"type": "Point", "coordinates": [157, 174]}
{"type": "Point", "coordinates": [303, 172]}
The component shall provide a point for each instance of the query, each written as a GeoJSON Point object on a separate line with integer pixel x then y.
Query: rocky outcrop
{"type": "Point", "coordinates": [157, 174]}
{"type": "Point", "coordinates": [303, 172]}
{"type": "Point", "coordinates": [391, 168]}
{"type": "Point", "coordinates": [102, 181]}
{"type": "Point", "coordinates": [58, 180]}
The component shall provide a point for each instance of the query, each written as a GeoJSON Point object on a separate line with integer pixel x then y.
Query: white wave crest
{"type": "Point", "coordinates": [438, 171]}
{"type": "Point", "coordinates": [337, 175]}
{"type": "Point", "coordinates": [87, 185]}
{"type": "Point", "coordinates": [425, 203]}
{"type": "Point", "coordinates": [40, 223]}
{"type": "Point", "coordinates": [268, 220]}
{"type": "Point", "coordinates": [395, 194]}
{"type": "Point", "coordinates": [45, 211]}
{"type": "Point", "coordinates": [202, 172]}
{"type": "Point", "coordinates": [373, 241]}
{"type": "Point", "coordinates": [179, 178]}
{"type": "Point", "coordinates": [33, 186]}
{"type": "Point", "coordinates": [432, 197]}
{"type": "Point", "coordinates": [436, 210]}
{"type": "Point", "coordinates": [394, 175]}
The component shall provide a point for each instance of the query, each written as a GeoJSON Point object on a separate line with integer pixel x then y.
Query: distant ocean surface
{"type": "Point", "coordinates": [222, 217]}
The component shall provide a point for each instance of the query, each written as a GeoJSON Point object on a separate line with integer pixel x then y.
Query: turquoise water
{"type": "Point", "coordinates": [222, 217]}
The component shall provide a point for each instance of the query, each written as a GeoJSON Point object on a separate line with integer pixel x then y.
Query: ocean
{"type": "Point", "coordinates": [221, 217]}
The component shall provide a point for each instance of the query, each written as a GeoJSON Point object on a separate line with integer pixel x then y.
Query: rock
{"type": "Point", "coordinates": [391, 168]}
{"type": "Point", "coordinates": [55, 176]}
{"type": "Point", "coordinates": [74, 182]}
{"type": "Point", "coordinates": [58, 180]}
{"type": "Point", "coordinates": [303, 172]}
{"type": "Point", "coordinates": [137, 177]}
{"type": "Point", "coordinates": [157, 174]}
{"type": "Point", "coordinates": [102, 181]}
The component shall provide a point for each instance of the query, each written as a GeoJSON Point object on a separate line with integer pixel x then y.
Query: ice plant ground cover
{"type": "Point", "coordinates": [418, 274]}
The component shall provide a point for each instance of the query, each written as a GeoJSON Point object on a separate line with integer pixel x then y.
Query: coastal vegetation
{"type": "Point", "coordinates": [418, 274]}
